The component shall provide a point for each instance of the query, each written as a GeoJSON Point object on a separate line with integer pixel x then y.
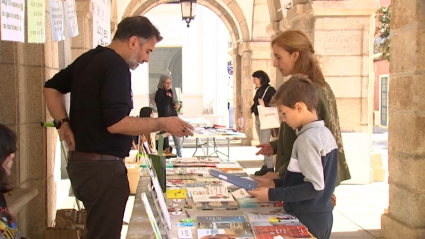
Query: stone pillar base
{"type": "Point", "coordinates": [392, 228]}
{"type": "Point", "coordinates": [378, 170]}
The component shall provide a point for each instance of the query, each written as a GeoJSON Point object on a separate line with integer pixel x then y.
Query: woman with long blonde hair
{"type": "Point", "coordinates": [294, 54]}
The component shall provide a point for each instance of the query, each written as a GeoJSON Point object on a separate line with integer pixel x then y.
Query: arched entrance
{"type": "Point", "coordinates": [233, 17]}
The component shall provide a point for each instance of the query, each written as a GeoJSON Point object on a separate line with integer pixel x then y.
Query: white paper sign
{"type": "Point", "coordinates": [101, 22]}
{"type": "Point", "coordinates": [71, 18]}
{"type": "Point", "coordinates": [36, 21]}
{"type": "Point", "coordinates": [161, 201]}
{"type": "Point", "coordinates": [56, 20]}
{"type": "Point", "coordinates": [13, 20]}
{"type": "Point", "coordinates": [151, 216]}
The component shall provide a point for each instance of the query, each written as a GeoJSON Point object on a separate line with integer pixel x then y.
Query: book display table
{"type": "Point", "coordinates": [198, 205]}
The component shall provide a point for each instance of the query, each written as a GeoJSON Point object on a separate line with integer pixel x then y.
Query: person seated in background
{"type": "Point", "coordinates": [8, 225]}
{"type": "Point", "coordinates": [147, 112]}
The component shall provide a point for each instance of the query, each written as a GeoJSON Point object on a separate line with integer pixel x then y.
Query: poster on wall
{"type": "Point", "coordinates": [101, 22]}
{"type": "Point", "coordinates": [71, 18]}
{"type": "Point", "coordinates": [12, 20]}
{"type": "Point", "coordinates": [36, 21]}
{"type": "Point", "coordinates": [56, 20]}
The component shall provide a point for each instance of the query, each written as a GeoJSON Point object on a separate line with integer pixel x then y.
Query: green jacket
{"type": "Point", "coordinates": [327, 111]}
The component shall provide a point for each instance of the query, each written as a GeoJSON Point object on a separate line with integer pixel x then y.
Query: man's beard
{"type": "Point", "coordinates": [133, 62]}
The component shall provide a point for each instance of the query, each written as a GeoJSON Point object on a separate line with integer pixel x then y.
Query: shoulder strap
{"type": "Point", "coordinates": [265, 92]}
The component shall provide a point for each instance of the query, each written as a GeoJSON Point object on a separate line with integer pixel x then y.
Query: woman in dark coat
{"type": "Point", "coordinates": [263, 95]}
{"type": "Point", "coordinates": [167, 105]}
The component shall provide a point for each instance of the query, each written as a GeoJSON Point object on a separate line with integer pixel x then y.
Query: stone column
{"type": "Point", "coordinates": [342, 37]}
{"type": "Point", "coordinates": [405, 218]}
{"type": "Point", "coordinates": [25, 67]}
{"type": "Point", "coordinates": [237, 107]}
{"type": "Point", "coordinates": [84, 41]}
{"type": "Point", "coordinates": [246, 92]}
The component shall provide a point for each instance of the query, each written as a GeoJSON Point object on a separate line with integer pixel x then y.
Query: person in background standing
{"type": "Point", "coordinates": [263, 96]}
{"type": "Point", "coordinates": [167, 105]}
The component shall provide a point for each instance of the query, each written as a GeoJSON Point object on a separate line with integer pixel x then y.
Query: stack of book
{"type": "Point", "coordinates": [268, 223]}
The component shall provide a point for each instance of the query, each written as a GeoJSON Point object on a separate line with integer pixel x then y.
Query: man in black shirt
{"type": "Point", "coordinates": [99, 128]}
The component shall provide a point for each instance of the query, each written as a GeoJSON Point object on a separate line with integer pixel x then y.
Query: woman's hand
{"type": "Point", "coordinates": [177, 106]}
{"type": "Point", "coordinates": [169, 94]}
{"type": "Point", "coordinates": [266, 149]}
{"type": "Point", "coordinates": [261, 102]}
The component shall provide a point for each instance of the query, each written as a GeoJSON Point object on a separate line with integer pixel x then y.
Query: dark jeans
{"type": "Point", "coordinates": [319, 224]}
{"type": "Point", "coordinates": [103, 188]}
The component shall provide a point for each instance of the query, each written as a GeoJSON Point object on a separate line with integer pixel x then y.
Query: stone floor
{"type": "Point", "coordinates": [359, 207]}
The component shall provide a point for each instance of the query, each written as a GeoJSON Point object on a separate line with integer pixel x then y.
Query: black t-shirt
{"type": "Point", "coordinates": [100, 86]}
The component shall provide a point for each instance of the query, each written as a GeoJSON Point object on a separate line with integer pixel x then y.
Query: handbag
{"type": "Point", "coordinates": [268, 116]}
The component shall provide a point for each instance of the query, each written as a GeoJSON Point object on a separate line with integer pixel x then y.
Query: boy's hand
{"type": "Point", "coordinates": [261, 194]}
{"type": "Point", "coordinates": [271, 175]}
{"type": "Point", "coordinates": [265, 182]}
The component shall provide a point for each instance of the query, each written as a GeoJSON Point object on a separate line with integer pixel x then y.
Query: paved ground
{"type": "Point", "coordinates": [359, 207]}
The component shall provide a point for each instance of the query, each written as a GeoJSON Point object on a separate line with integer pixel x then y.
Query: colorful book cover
{"type": "Point", "coordinates": [224, 225]}
{"type": "Point", "coordinates": [269, 232]}
{"type": "Point", "coordinates": [274, 217]}
{"type": "Point", "coordinates": [212, 198]}
{"type": "Point", "coordinates": [176, 194]}
{"type": "Point", "coordinates": [241, 193]}
{"type": "Point", "coordinates": [221, 219]}
{"type": "Point", "coordinates": [248, 184]}
{"type": "Point", "coordinates": [225, 233]}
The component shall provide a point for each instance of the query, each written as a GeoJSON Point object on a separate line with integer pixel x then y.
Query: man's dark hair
{"type": "Point", "coordinates": [264, 78]}
{"type": "Point", "coordinates": [297, 89]}
{"type": "Point", "coordinates": [136, 26]}
{"type": "Point", "coordinates": [7, 147]}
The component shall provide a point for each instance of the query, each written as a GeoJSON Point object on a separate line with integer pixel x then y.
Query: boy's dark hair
{"type": "Point", "coordinates": [145, 112]}
{"type": "Point", "coordinates": [297, 89]}
{"type": "Point", "coordinates": [264, 78]}
{"type": "Point", "coordinates": [136, 26]}
{"type": "Point", "coordinates": [7, 147]}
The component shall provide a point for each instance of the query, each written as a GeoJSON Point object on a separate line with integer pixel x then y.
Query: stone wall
{"type": "Point", "coordinates": [341, 33]}
{"type": "Point", "coordinates": [405, 218]}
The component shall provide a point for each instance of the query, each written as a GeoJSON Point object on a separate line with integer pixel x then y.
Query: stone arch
{"type": "Point", "coordinates": [275, 15]}
{"type": "Point", "coordinates": [237, 26]}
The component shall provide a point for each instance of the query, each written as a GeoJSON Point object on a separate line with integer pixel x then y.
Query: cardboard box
{"type": "Point", "coordinates": [133, 175]}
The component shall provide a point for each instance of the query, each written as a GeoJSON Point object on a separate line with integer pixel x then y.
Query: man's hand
{"type": "Point", "coordinates": [177, 106]}
{"type": "Point", "coordinates": [261, 194]}
{"type": "Point", "coordinates": [176, 126]}
{"type": "Point", "coordinates": [265, 182]}
{"type": "Point", "coordinates": [266, 149]}
{"type": "Point", "coordinates": [271, 176]}
{"type": "Point", "coordinates": [65, 133]}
